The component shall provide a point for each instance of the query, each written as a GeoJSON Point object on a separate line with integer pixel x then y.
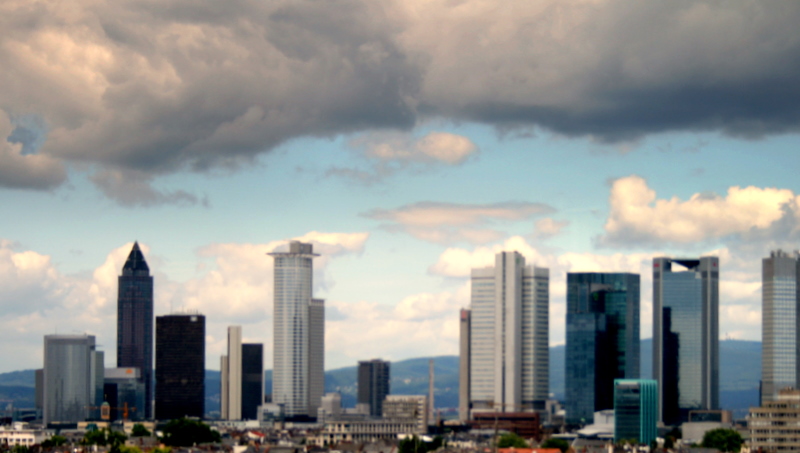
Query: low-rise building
{"type": "Point", "coordinates": [775, 426]}
{"type": "Point", "coordinates": [20, 434]}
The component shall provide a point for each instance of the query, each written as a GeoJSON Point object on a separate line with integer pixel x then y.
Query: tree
{"type": "Point", "coordinates": [105, 437]}
{"type": "Point", "coordinates": [183, 432]}
{"type": "Point", "coordinates": [509, 440]}
{"type": "Point", "coordinates": [411, 444]}
{"type": "Point", "coordinates": [723, 439]}
{"type": "Point", "coordinates": [555, 442]}
{"type": "Point", "coordinates": [139, 431]}
{"type": "Point", "coordinates": [55, 441]}
{"type": "Point", "coordinates": [129, 449]}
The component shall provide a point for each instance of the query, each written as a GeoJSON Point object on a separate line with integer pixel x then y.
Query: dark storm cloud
{"type": "Point", "coordinates": [158, 87]}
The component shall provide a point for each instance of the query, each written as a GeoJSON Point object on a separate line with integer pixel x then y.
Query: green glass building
{"type": "Point", "coordinates": [635, 410]}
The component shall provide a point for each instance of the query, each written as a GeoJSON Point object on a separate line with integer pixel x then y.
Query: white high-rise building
{"type": "Point", "coordinates": [509, 336]}
{"type": "Point", "coordinates": [231, 377]}
{"type": "Point", "coordinates": [779, 323]}
{"type": "Point", "coordinates": [299, 329]}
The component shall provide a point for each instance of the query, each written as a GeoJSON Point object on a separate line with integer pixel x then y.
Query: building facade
{"type": "Point", "coordinates": [602, 340]}
{"type": "Point", "coordinates": [180, 366]}
{"type": "Point", "coordinates": [508, 336]}
{"type": "Point", "coordinates": [463, 365]}
{"type": "Point", "coordinates": [686, 335]}
{"type": "Point", "coordinates": [780, 303]}
{"type": "Point", "coordinates": [373, 384]}
{"type": "Point", "coordinates": [231, 377]}
{"type": "Point", "coordinates": [124, 392]}
{"type": "Point", "coordinates": [635, 410]}
{"type": "Point", "coordinates": [135, 321]}
{"type": "Point", "coordinates": [252, 379]}
{"type": "Point", "coordinates": [405, 408]}
{"type": "Point", "coordinates": [72, 379]}
{"type": "Point", "coordinates": [774, 425]}
{"type": "Point", "coordinates": [298, 328]}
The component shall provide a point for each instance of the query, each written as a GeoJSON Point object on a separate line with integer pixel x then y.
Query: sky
{"type": "Point", "coordinates": [408, 140]}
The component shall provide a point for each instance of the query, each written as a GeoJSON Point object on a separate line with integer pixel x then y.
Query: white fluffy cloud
{"type": "Point", "coordinates": [435, 147]}
{"type": "Point", "coordinates": [637, 216]}
{"type": "Point", "coordinates": [448, 223]}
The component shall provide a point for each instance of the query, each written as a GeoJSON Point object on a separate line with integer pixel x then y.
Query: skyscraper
{"type": "Point", "coordinates": [135, 321]}
{"type": "Point", "coordinates": [686, 335]}
{"type": "Point", "coordinates": [780, 296]}
{"type": "Point", "coordinates": [635, 410]}
{"type": "Point", "coordinates": [373, 384]}
{"type": "Point", "coordinates": [463, 366]}
{"type": "Point", "coordinates": [508, 351]}
{"type": "Point", "coordinates": [231, 377]}
{"type": "Point", "coordinates": [298, 329]}
{"type": "Point", "coordinates": [72, 378]}
{"type": "Point", "coordinates": [252, 379]}
{"type": "Point", "coordinates": [180, 366]}
{"type": "Point", "coordinates": [602, 339]}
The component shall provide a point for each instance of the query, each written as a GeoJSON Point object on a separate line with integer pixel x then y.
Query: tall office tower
{"type": "Point", "coordinates": [635, 410]}
{"type": "Point", "coordinates": [509, 363]}
{"type": "Point", "coordinates": [299, 331]}
{"type": "Point", "coordinates": [135, 322]}
{"type": "Point", "coordinates": [780, 296]}
{"type": "Point", "coordinates": [180, 366]}
{"type": "Point", "coordinates": [72, 378]}
{"type": "Point", "coordinates": [602, 339]}
{"type": "Point", "coordinates": [463, 366]}
{"type": "Point", "coordinates": [316, 355]}
{"type": "Point", "coordinates": [686, 335]}
{"type": "Point", "coordinates": [373, 384]}
{"type": "Point", "coordinates": [252, 379]}
{"type": "Point", "coordinates": [231, 377]}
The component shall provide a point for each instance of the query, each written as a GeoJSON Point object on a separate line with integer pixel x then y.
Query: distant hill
{"type": "Point", "coordinates": [740, 372]}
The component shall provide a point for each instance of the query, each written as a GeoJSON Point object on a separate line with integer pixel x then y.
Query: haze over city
{"type": "Point", "coordinates": [408, 141]}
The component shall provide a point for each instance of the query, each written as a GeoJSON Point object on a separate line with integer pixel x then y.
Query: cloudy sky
{"type": "Point", "coordinates": [409, 140]}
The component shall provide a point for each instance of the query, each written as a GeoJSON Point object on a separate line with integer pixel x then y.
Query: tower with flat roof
{"type": "Point", "coordinates": [180, 366]}
{"type": "Point", "coordinates": [509, 330]}
{"type": "Point", "coordinates": [602, 339]}
{"type": "Point", "coordinates": [72, 378]}
{"type": "Point", "coordinates": [373, 384]}
{"type": "Point", "coordinates": [780, 304]}
{"type": "Point", "coordinates": [686, 335]}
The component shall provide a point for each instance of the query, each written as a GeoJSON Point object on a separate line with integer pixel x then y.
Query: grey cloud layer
{"type": "Point", "coordinates": [158, 87]}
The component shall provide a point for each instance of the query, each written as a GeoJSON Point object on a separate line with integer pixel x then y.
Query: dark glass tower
{"type": "Point", "coordinates": [602, 340]}
{"type": "Point", "coordinates": [252, 379]}
{"type": "Point", "coordinates": [373, 385]}
{"type": "Point", "coordinates": [180, 366]}
{"type": "Point", "coordinates": [686, 335]}
{"type": "Point", "coordinates": [135, 321]}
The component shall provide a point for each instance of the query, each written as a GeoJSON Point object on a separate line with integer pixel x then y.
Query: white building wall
{"type": "Point", "coordinates": [234, 373]}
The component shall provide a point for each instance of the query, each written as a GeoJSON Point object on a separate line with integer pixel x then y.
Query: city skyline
{"type": "Point", "coordinates": [406, 147]}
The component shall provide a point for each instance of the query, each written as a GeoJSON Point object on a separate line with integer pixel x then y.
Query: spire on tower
{"type": "Point", "coordinates": [135, 264]}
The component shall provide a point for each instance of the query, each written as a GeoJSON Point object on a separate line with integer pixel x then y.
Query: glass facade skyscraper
{"type": "Point", "coordinates": [509, 336]}
{"type": "Point", "coordinates": [135, 322]}
{"type": "Point", "coordinates": [298, 334]}
{"type": "Point", "coordinates": [252, 379]}
{"type": "Point", "coordinates": [686, 335]}
{"type": "Point", "coordinates": [779, 323]}
{"type": "Point", "coordinates": [635, 410]}
{"type": "Point", "coordinates": [373, 384]}
{"type": "Point", "coordinates": [72, 377]}
{"type": "Point", "coordinates": [602, 339]}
